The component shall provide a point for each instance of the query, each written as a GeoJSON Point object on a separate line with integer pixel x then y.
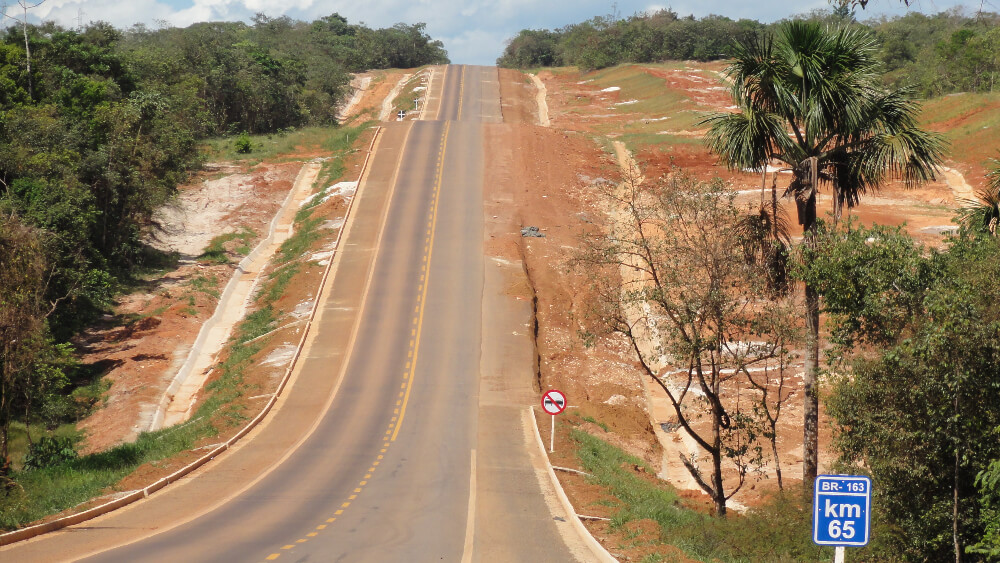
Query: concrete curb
{"type": "Point", "coordinates": [73, 519]}
{"type": "Point", "coordinates": [595, 546]}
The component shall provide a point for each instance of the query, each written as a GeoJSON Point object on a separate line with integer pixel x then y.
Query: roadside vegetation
{"type": "Point", "coordinates": [904, 345]}
{"type": "Point", "coordinates": [776, 531]}
{"type": "Point", "coordinates": [99, 125]}
{"type": "Point", "coordinates": [48, 476]}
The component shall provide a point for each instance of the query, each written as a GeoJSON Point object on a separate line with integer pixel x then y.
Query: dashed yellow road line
{"type": "Point", "coordinates": [423, 288]}
{"type": "Point", "coordinates": [406, 386]}
{"type": "Point", "coordinates": [461, 94]}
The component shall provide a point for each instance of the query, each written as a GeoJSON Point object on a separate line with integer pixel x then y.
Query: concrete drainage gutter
{"type": "Point", "coordinates": [129, 498]}
{"type": "Point", "coordinates": [176, 402]}
{"type": "Point", "coordinates": [595, 546]}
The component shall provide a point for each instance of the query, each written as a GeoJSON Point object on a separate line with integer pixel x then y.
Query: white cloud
{"type": "Point", "coordinates": [121, 14]}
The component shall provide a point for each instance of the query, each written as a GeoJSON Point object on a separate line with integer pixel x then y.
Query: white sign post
{"type": "Point", "coordinates": [553, 402]}
{"type": "Point", "coordinates": [401, 115]}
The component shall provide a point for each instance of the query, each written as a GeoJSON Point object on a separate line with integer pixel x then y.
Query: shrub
{"type": "Point", "coordinates": [243, 143]}
{"type": "Point", "coordinates": [49, 452]}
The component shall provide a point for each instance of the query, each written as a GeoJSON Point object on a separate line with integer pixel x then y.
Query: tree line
{"type": "Point", "coordinates": [952, 51]}
{"type": "Point", "coordinates": [99, 125]}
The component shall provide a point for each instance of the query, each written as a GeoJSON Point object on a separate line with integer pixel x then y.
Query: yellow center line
{"type": "Point", "coordinates": [461, 95]}
{"type": "Point", "coordinates": [423, 294]}
{"type": "Point", "coordinates": [418, 321]}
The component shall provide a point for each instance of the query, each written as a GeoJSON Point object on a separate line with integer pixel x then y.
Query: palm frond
{"type": "Point", "coordinates": [982, 215]}
{"type": "Point", "coordinates": [746, 140]}
{"type": "Point", "coordinates": [765, 237]}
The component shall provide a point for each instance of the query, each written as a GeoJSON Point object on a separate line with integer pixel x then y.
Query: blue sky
{"type": "Point", "coordinates": [474, 31]}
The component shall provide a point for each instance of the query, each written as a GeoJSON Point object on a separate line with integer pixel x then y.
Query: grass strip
{"type": "Point", "coordinates": [215, 252]}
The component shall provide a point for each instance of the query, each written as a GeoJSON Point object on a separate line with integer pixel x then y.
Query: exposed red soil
{"type": "Point", "coordinates": [149, 336]}
{"type": "Point", "coordinates": [553, 173]}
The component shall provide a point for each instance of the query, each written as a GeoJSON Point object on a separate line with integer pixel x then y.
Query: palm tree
{"type": "Point", "coordinates": [810, 97]}
{"type": "Point", "coordinates": [983, 215]}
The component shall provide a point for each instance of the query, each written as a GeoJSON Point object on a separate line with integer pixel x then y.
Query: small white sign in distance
{"type": "Point", "coordinates": [554, 401]}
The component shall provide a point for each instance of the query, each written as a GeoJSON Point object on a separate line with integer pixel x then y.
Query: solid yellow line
{"type": "Point", "coordinates": [423, 295]}
{"type": "Point", "coordinates": [461, 96]}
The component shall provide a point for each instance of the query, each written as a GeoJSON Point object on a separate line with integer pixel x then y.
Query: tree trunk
{"type": "Point", "coordinates": [810, 383]}
{"type": "Point", "coordinates": [774, 451]}
{"type": "Point", "coordinates": [27, 52]}
{"type": "Point", "coordinates": [720, 492]}
{"type": "Point", "coordinates": [4, 419]}
{"type": "Point", "coordinates": [955, 483]}
{"type": "Point", "coordinates": [810, 413]}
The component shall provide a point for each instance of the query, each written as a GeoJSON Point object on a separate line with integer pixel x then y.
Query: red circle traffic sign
{"type": "Point", "coordinates": [554, 401]}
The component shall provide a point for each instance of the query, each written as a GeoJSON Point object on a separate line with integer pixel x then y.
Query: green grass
{"type": "Point", "coordinates": [654, 100]}
{"type": "Point", "coordinates": [341, 145]}
{"type": "Point", "coordinates": [778, 531]}
{"type": "Point", "coordinates": [278, 282]}
{"type": "Point", "coordinates": [593, 420]}
{"type": "Point", "coordinates": [90, 394]}
{"type": "Point", "coordinates": [306, 233]}
{"type": "Point", "coordinates": [208, 286]}
{"type": "Point", "coordinates": [654, 97]}
{"type": "Point", "coordinates": [408, 95]}
{"type": "Point", "coordinates": [215, 252]}
{"type": "Point", "coordinates": [17, 446]}
{"type": "Point", "coordinates": [46, 491]}
{"type": "Point", "coordinates": [274, 147]}
{"type": "Point", "coordinates": [639, 499]}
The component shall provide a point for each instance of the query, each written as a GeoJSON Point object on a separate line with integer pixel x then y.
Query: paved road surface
{"type": "Point", "coordinates": [409, 460]}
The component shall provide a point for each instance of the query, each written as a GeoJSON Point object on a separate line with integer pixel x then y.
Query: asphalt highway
{"type": "Point", "coordinates": [384, 448]}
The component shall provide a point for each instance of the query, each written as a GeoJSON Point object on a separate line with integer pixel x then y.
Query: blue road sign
{"type": "Point", "coordinates": [842, 510]}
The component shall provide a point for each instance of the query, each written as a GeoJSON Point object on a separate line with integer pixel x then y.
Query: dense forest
{"type": "Point", "coordinates": [933, 54]}
{"type": "Point", "coordinates": [98, 126]}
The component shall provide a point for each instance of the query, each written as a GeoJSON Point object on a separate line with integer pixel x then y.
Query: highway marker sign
{"type": "Point", "coordinates": [842, 511]}
{"type": "Point", "coordinates": [553, 402]}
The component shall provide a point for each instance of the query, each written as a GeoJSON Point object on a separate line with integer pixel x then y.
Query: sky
{"type": "Point", "coordinates": [473, 31]}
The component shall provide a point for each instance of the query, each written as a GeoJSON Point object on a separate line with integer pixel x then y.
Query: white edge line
{"type": "Point", "coordinates": [470, 521]}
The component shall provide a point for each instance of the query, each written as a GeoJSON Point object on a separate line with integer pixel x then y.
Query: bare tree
{"type": "Point", "coordinates": [672, 277]}
{"type": "Point", "coordinates": [25, 6]}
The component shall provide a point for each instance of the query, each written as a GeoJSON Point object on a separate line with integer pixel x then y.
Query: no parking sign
{"type": "Point", "coordinates": [553, 402]}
